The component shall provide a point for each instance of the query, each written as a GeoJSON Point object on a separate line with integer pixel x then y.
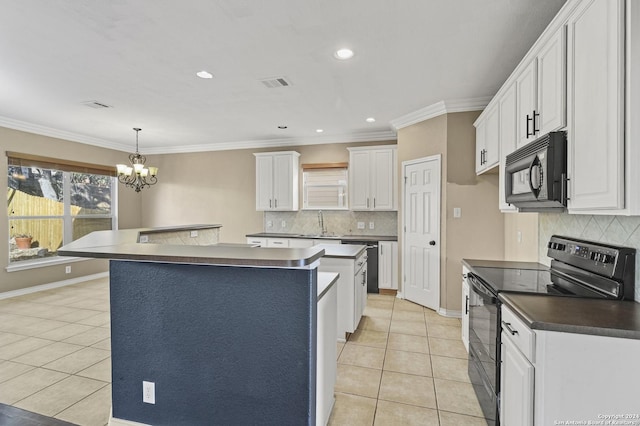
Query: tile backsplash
{"type": "Point", "coordinates": [618, 230]}
{"type": "Point", "coordinates": [336, 222]}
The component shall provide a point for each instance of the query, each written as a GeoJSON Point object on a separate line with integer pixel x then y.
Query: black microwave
{"type": "Point", "coordinates": [535, 176]}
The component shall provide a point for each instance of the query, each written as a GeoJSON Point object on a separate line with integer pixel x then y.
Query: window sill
{"type": "Point", "coordinates": [33, 264]}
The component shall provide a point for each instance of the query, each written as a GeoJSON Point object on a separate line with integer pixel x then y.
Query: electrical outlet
{"type": "Point", "coordinates": [371, 226]}
{"type": "Point", "coordinates": [144, 238]}
{"type": "Point", "coordinates": [283, 224]}
{"type": "Point", "coordinates": [360, 225]}
{"type": "Point", "coordinates": [149, 392]}
{"type": "Point", "coordinates": [67, 269]}
{"type": "Point", "coordinates": [194, 234]}
{"type": "Point", "coordinates": [269, 224]}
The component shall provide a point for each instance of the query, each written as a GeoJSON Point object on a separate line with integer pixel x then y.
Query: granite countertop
{"type": "Point", "coordinates": [611, 318]}
{"type": "Point", "coordinates": [327, 237]}
{"type": "Point", "coordinates": [347, 251]}
{"type": "Point", "coordinates": [325, 281]}
{"type": "Point", "coordinates": [123, 245]}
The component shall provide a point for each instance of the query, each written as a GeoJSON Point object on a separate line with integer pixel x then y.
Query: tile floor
{"type": "Point", "coordinates": [405, 365]}
{"type": "Point", "coordinates": [55, 356]}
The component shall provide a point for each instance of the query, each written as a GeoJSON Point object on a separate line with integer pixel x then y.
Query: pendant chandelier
{"type": "Point", "coordinates": [137, 175]}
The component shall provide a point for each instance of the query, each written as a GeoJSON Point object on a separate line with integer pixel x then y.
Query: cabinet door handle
{"type": "Point", "coordinates": [466, 305]}
{"type": "Point", "coordinates": [507, 325]}
{"type": "Point", "coordinates": [535, 129]}
{"type": "Point", "coordinates": [367, 202]}
{"type": "Point", "coordinates": [374, 202]}
{"type": "Point", "coordinates": [276, 203]}
{"type": "Point", "coordinates": [269, 202]}
{"type": "Point", "coordinates": [528, 132]}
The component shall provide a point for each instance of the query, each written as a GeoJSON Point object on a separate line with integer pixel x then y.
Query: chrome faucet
{"type": "Point", "coordinates": [323, 230]}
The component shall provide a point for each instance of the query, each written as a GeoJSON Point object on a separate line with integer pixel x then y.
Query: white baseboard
{"type": "Point", "coordinates": [120, 422]}
{"type": "Point", "coordinates": [49, 286]}
{"type": "Point", "coordinates": [450, 313]}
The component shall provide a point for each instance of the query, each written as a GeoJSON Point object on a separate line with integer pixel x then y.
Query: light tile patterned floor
{"type": "Point", "coordinates": [55, 353]}
{"type": "Point", "coordinates": [405, 365]}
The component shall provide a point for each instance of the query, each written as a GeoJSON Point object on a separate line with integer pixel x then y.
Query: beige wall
{"type": "Point", "coordinates": [479, 232]}
{"type": "Point", "coordinates": [128, 203]}
{"type": "Point", "coordinates": [219, 187]}
{"type": "Point", "coordinates": [525, 248]}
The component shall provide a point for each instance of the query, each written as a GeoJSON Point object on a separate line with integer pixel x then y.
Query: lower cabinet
{"type": "Point", "coordinates": [465, 309]}
{"type": "Point", "coordinates": [352, 290]}
{"type": "Point", "coordinates": [516, 383]}
{"type": "Point", "coordinates": [388, 265]}
{"type": "Point", "coordinates": [551, 376]}
{"type": "Point", "coordinates": [326, 353]}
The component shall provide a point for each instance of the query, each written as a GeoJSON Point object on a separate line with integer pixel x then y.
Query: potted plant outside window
{"type": "Point", "coordinates": [23, 241]}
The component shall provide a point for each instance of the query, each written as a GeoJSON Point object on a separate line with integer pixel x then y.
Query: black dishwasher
{"type": "Point", "coordinates": [372, 263]}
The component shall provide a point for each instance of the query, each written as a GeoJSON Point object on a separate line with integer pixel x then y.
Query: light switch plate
{"type": "Point", "coordinates": [371, 225]}
{"type": "Point", "coordinates": [457, 212]}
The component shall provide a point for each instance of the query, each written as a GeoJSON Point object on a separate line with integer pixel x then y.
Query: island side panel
{"type": "Point", "coordinates": [223, 345]}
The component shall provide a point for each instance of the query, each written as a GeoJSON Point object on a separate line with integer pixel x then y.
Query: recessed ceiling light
{"type": "Point", "coordinates": [282, 127]}
{"type": "Point", "coordinates": [344, 53]}
{"type": "Point", "coordinates": [370, 120]}
{"type": "Point", "coordinates": [204, 74]}
{"type": "Point", "coordinates": [319, 130]}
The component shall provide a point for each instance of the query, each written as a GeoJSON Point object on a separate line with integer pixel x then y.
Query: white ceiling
{"type": "Point", "coordinates": [141, 56]}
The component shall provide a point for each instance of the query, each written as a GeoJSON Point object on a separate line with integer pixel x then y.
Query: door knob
{"type": "Point", "coordinates": [432, 243]}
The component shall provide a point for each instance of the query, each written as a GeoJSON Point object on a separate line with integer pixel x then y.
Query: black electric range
{"type": "Point", "coordinates": [579, 268]}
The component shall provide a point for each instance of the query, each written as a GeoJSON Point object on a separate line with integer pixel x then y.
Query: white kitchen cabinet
{"type": "Point", "coordinates": [465, 308]}
{"type": "Point", "coordinates": [277, 181]}
{"type": "Point", "coordinates": [372, 178]}
{"type": "Point", "coordinates": [508, 135]}
{"type": "Point", "coordinates": [488, 139]}
{"type": "Point", "coordinates": [388, 265]}
{"type": "Point", "coordinates": [326, 369]}
{"type": "Point", "coordinates": [516, 375]}
{"type": "Point", "coordinates": [595, 102]}
{"type": "Point", "coordinates": [541, 91]}
{"type": "Point", "coordinates": [352, 290]}
{"type": "Point", "coordinates": [260, 242]}
{"type": "Point", "coordinates": [551, 375]}
{"type": "Point", "coordinates": [278, 242]}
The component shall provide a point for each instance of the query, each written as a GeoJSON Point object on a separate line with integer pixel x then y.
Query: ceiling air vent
{"type": "Point", "coordinates": [274, 82]}
{"type": "Point", "coordinates": [96, 104]}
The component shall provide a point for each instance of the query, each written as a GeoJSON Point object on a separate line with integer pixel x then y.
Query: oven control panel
{"type": "Point", "coordinates": [601, 258]}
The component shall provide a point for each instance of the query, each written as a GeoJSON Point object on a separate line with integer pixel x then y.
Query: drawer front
{"type": "Point", "coordinates": [262, 242]}
{"type": "Point", "coordinates": [278, 242]}
{"type": "Point", "coordinates": [515, 330]}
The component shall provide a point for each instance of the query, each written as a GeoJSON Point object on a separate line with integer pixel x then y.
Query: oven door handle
{"type": "Point", "coordinates": [478, 287]}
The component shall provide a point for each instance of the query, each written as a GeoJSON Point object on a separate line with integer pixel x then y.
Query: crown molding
{"type": "Point", "coordinates": [375, 136]}
{"type": "Point", "coordinates": [37, 129]}
{"type": "Point", "coordinates": [440, 108]}
{"type": "Point", "coordinates": [383, 135]}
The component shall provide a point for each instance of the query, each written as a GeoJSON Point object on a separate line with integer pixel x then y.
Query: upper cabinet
{"type": "Point", "coordinates": [277, 181]}
{"type": "Point", "coordinates": [488, 140]}
{"type": "Point", "coordinates": [372, 178]}
{"type": "Point", "coordinates": [508, 131]}
{"type": "Point", "coordinates": [596, 97]}
{"type": "Point", "coordinates": [541, 91]}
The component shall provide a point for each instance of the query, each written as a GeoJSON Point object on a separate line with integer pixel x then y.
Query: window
{"type": "Point", "coordinates": [50, 204]}
{"type": "Point", "coordinates": [324, 186]}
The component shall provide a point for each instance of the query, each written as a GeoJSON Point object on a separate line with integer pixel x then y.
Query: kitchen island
{"type": "Point", "coordinates": [225, 334]}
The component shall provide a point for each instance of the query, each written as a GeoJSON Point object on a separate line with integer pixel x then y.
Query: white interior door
{"type": "Point", "coordinates": [421, 248]}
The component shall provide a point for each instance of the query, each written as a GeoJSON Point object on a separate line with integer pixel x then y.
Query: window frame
{"type": "Point", "coordinates": [310, 168]}
{"type": "Point", "coordinates": [67, 168]}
